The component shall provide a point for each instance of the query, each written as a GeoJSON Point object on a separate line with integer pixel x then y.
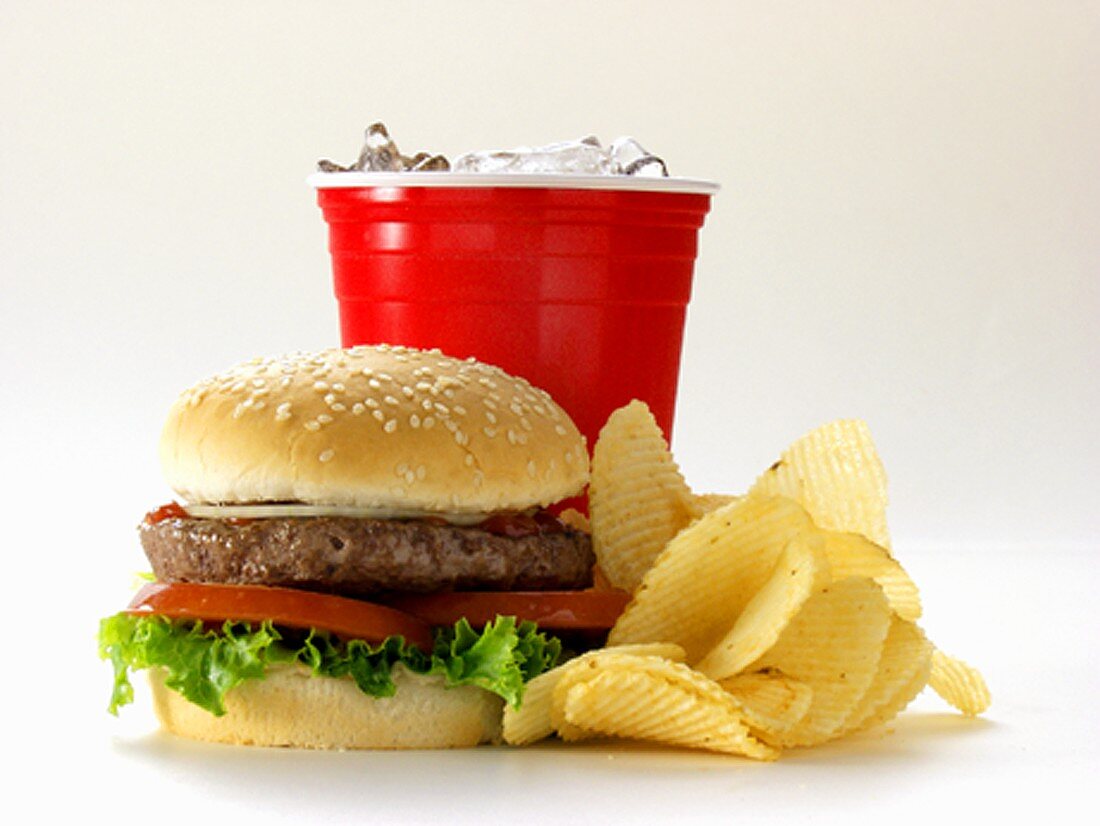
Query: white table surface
{"type": "Point", "coordinates": [1027, 618]}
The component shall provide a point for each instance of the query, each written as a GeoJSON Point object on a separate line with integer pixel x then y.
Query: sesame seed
{"type": "Point", "coordinates": [421, 472]}
{"type": "Point", "coordinates": [491, 432]}
{"type": "Point", "coordinates": [311, 425]}
{"type": "Point", "coordinates": [414, 421]}
{"type": "Point", "coordinates": [429, 422]}
{"type": "Point", "coordinates": [339, 387]}
{"type": "Point", "coordinates": [339, 407]}
{"type": "Point", "coordinates": [378, 414]}
{"type": "Point", "coordinates": [525, 423]}
{"type": "Point", "coordinates": [491, 417]}
{"type": "Point", "coordinates": [324, 418]}
{"type": "Point", "coordinates": [282, 412]}
{"type": "Point", "coordinates": [531, 469]}
{"type": "Point", "coordinates": [390, 400]}
{"type": "Point", "coordinates": [559, 430]}
{"type": "Point", "coordinates": [326, 455]}
{"type": "Point", "coordinates": [469, 460]}
{"type": "Point", "coordinates": [390, 426]}
{"type": "Point", "coordinates": [358, 408]}
{"type": "Point", "coordinates": [371, 403]}
{"type": "Point", "coordinates": [459, 409]}
{"type": "Point", "coordinates": [320, 385]}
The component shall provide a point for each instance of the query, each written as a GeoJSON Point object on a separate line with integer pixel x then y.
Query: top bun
{"type": "Point", "coordinates": [374, 427]}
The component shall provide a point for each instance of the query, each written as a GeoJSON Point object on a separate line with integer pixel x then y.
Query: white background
{"type": "Point", "coordinates": [908, 232]}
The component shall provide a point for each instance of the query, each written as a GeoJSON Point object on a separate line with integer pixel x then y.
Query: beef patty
{"type": "Point", "coordinates": [359, 557]}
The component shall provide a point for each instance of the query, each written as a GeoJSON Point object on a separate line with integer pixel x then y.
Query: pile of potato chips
{"type": "Point", "coordinates": [758, 622]}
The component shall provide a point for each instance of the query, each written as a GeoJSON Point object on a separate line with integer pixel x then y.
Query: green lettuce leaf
{"type": "Point", "coordinates": [203, 664]}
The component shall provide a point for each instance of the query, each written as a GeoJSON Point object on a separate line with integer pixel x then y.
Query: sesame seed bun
{"type": "Point", "coordinates": [375, 427]}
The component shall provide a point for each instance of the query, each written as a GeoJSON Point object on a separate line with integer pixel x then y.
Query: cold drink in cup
{"type": "Point", "coordinates": [578, 283]}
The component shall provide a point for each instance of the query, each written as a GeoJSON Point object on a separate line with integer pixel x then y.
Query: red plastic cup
{"type": "Point", "coordinates": [579, 284]}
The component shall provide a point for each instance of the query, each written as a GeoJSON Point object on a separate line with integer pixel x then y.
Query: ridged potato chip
{"type": "Point", "coordinates": [853, 555]}
{"type": "Point", "coordinates": [833, 645]}
{"type": "Point", "coordinates": [701, 582]}
{"type": "Point", "coordinates": [637, 498]}
{"type": "Point", "coordinates": [531, 721]}
{"type": "Point", "coordinates": [959, 684]}
{"type": "Point", "coordinates": [800, 571]}
{"type": "Point", "coordinates": [772, 702]}
{"type": "Point", "coordinates": [836, 474]}
{"type": "Point", "coordinates": [797, 617]}
{"type": "Point", "coordinates": [581, 669]}
{"type": "Point", "coordinates": [704, 503]}
{"type": "Point", "coordinates": [647, 698]}
{"type": "Point", "coordinates": [902, 673]}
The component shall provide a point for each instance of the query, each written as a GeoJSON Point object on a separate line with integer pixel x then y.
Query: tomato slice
{"type": "Point", "coordinates": [591, 610]}
{"type": "Point", "coordinates": [290, 607]}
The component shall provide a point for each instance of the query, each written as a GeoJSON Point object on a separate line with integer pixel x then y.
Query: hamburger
{"type": "Point", "coordinates": [364, 554]}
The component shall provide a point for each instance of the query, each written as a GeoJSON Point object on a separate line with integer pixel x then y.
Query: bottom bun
{"type": "Point", "coordinates": [293, 708]}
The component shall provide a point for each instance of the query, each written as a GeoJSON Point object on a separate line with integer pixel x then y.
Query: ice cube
{"type": "Point", "coordinates": [325, 165]}
{"type": "Point", "coordinates": [425, 162]}
{"type": "Point", "coordinates": [584, 156]}
{"type": "Point", "coordinates": [580, 157]}
{"type": "Point", "coordinates": [630, 158]}
{"type": "Point", "coordinates": [379, 152]}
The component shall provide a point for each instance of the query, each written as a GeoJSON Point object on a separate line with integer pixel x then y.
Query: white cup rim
{"type": "Point", "coordinates": [474, 180]}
